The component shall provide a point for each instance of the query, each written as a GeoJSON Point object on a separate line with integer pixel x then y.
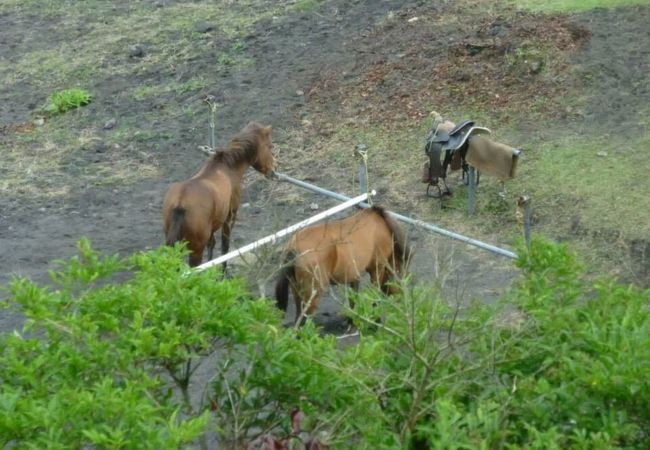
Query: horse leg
{"type": "Point", "coordinates": [380, 276]}
{"type": "Point", "coordinates": [225, 236]}
{"type": "Point", "coordinates": [211, 243]}
{"type": "Point", "coordinates": [310, 307]}
{"type": "Point", "coordinates": [298, 301]}
{"type": "Point", "coordinates": [305, 309]}
{"type": "Point", "coordinates": [196, 255]}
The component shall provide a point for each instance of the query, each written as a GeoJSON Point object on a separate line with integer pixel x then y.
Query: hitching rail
{"type": "Point", "coordinates": [415, 222]}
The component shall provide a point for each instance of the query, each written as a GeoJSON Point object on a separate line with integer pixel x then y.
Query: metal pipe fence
{"type": "Point", "coordinates": [415, 222]}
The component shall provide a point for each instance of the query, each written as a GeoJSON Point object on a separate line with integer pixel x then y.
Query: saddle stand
{"type": "Point", "coordinates": [454, 145]}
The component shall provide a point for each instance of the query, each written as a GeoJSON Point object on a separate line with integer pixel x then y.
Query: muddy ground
{"type": "Point", "coordinates": [306, 66]}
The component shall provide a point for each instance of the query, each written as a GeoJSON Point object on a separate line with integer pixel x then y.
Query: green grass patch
{"type": "Point", "coordinates": [574, 5]}
{"type": "Point", "coordinates": [602, 183]}
{"type": "Point", "coordinates": [307, 5]}
{"type": "Point", "coordinates": [67, 99]}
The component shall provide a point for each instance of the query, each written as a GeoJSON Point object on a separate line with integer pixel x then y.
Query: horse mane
{"type": "Point", "coordinates": [402, 247]}
{"type": "Point", "coordinates": [242, 147]}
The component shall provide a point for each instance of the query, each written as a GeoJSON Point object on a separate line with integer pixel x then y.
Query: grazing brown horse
{"type": "Point", "coordinates": [339, 252]}
{"type": "Point", "coordinates": [194, 209]}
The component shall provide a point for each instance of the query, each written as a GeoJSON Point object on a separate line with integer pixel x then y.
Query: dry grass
{"type": "Point", "coordinates": [86, 44]}
{"type": "Point", "coordinates": [50, 161]}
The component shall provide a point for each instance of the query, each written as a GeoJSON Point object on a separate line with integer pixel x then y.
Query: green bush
{"type": "Point", "coordinates": [561, 363]}
{"type": "Point", "coordinates": [97, 360]}
{"type": "Point", "coordinates": [63, 101]}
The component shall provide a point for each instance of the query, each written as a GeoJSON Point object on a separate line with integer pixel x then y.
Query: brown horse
{"type": "Point", "coordinates": [339, 252]}
{"type": "Point", "coordinates": [194, 209]}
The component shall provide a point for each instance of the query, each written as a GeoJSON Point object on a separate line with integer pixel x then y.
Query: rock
{"type": "Point", "coordinates": [246, 205]}
{"type": "Point", "coordinates": [601, 154]}
{"type": "Point", "coordinates": [536, 66]}
{"type": "Point", "coordinates": [204, 27]}
{"type": "Point", "coordinates": [313, 206]}
{"type": "Point", "coordinates": [110, 124]}
{"type": "Point", "coordinates": [136, 51]}
{"type": "Point", "coordinates": [461, 74]}
{"type": "Point", "coordinates": [475, 47]}
{"type": "Point", "coordinates": [39, 121]}
{"type": "Point", "coordinates": [300, 92]}
{"type": "Point", "coordinates": [498, 29]}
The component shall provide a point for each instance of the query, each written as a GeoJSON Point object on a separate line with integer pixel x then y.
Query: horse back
{"type": "Point", "coordinates": [372, 243]}
{"type": "Point", "coordinates": [342, 250]}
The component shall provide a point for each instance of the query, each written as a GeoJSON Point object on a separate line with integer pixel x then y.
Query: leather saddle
{"type": "Point", "coordinates": [448, 148]}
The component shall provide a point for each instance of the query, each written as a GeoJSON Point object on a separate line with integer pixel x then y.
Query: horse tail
{"type": "Point", "coordinates": [287, 275]}
{"type": "Point", "coordinates": [175, 231]}
{"type": "Point", "coordinates": [401, 245]}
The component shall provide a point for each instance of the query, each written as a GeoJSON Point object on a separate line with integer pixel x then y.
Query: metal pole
{"type": "Point", "coordinates": [363, 182]}
{"type": "Point", "coordinates": [526, 202]}
{"type": "Point", "coordinates": [361, 151]}
{"type": "Point", "coordinates": [313, 187]}
{"type": "Point", "coordinates": [456, 236]}
{"type": "Point", "coordinates": [471, 191]}
{"type": "Point", "coordinates": [405, 219]}
{"type": "Point", "coordinates": [275, 236]}
{"type": "Point", "coordinates": [212, 104]}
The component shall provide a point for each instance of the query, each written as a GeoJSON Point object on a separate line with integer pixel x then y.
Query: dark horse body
{"type": "Point", "coordinates": [340, 252]}
{"type": "Point", "coordinates": [194, 209]}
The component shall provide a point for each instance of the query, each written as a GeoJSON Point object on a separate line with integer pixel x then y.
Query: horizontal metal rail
{"type": "Point", "coordinates": [415, 222]}
{"type": "Point", "coordinates": [275, 236]}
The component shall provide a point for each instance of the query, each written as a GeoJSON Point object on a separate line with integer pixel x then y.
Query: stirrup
{"type": "Point", "coordinates": [436, 186]}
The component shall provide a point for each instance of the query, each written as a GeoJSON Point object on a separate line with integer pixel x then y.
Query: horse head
{"type": "Point", "coordinates": [264, 160]}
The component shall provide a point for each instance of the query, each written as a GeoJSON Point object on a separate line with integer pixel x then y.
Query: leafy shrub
{"type": "Point", "coordinates": [96, 360]}
{"type": "Point", "coordinates": [63, 101]}
{"type": "Point", "coordinates": [561, 363]}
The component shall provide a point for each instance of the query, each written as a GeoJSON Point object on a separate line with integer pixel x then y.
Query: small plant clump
{"type": "Point", "coordinates": [67, 99]}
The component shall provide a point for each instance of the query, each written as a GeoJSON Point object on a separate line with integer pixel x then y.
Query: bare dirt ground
{"type": "Point", "coordinates": [345, 60]}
